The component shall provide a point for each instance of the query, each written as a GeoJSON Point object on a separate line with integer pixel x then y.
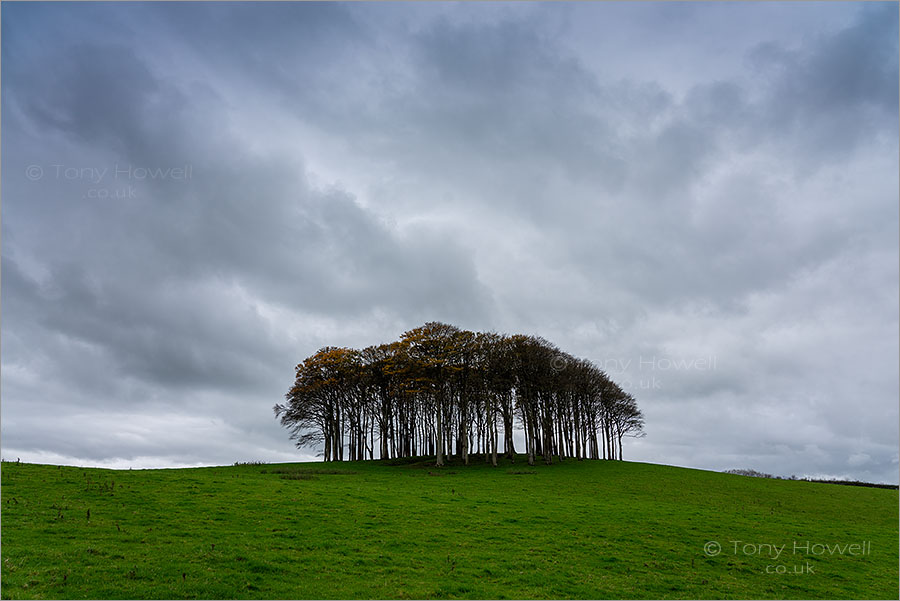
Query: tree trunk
{"type": "Point", "coordinates": [439, 446]}
{"type": "Point", "coordinates": [530, 439]}
{"type": "Point", "coordinates": [464, 426]}
{"type": "Point", "coordinates": [508, 442]}
{"type": "Point", "coordinates": [494, 442]}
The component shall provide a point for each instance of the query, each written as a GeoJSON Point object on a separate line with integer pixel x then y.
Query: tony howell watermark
{"type": "Point", "coordinates": [653, 363]}
{"type": "Point", "coordinates": [116, 172]}
{"type": "Point", "coordinates": [645, 372]}
{"type": "Point", "coordinates": [642, 372]}
{"type": "Point", "coordinates": [794, 549]}
{"type": "Point", "coordinates": [663, 363]}
{"type": "Point", "coordinates": [746, 548]}
{"type": "Point", "coordinates": [121, 179]}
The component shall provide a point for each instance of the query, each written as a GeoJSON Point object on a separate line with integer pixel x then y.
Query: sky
{"type": "Point", "coordinates": [700, 198]}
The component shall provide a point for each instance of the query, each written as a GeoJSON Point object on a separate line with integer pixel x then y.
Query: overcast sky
{"type": "Point", "coordinates": [701, 198]}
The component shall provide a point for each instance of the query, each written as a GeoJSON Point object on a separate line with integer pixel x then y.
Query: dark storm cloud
{"type": "Point", "coordinates": [267, 223]}
{"type": "Point", "coordinates": [852, 68]}
{"type": "Point", "coordinates": [359, 169]}
{"type": "Point", "coordinates": [139, 301]}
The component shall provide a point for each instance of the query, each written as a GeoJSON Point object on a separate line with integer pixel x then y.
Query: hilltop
{"type": "Point", "coordinates": [591, 529]}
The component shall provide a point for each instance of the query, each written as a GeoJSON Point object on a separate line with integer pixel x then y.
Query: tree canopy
{"type": "Point", "coordinates": [441, 391]}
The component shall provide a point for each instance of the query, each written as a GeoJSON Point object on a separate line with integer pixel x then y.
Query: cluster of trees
{"type": "Point", "coordinates": [441, 391]}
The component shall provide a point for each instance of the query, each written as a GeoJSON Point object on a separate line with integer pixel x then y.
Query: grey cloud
{"type": "Point", "coordinates": [355, 173]}
{"type": "Point", "coordinates": [838, 90]}
{"type": "Point", "coordinates": [153, 286]}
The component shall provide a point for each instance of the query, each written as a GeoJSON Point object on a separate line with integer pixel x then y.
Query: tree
{"type": "Point", "coordinates": [443, 391]}
{"type": "Point", "coordinates": [627, 419]}
{"type": "Point", "coordinates": [432, 351]}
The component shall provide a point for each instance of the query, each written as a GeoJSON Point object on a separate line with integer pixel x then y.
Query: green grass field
{"type": "Point", "coordinates": [371, 530]}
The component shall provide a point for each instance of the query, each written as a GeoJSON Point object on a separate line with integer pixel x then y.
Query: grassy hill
{"type": "Point", "coordinates": [371, 530]}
